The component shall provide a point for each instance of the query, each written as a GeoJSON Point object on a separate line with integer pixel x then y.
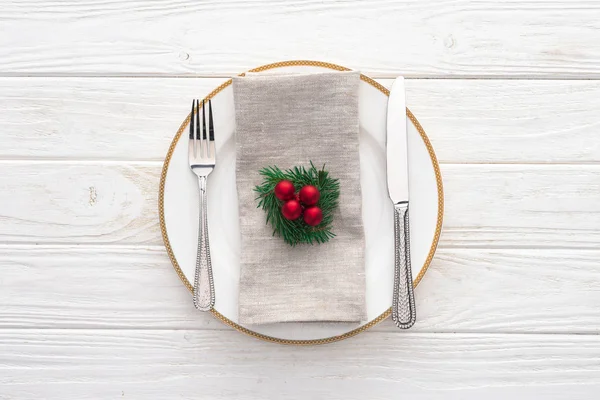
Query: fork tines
{"type": "Point", "coordinates": [201, 156]}
{"type": "Point", "coordinates": [202, 146]}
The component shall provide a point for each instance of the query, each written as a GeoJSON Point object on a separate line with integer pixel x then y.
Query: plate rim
{"type": "Point", "coordinates": [301, 342]}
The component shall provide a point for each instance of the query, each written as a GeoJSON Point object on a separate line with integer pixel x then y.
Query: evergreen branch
{"type": "Point", "coordinates": [297, 231]}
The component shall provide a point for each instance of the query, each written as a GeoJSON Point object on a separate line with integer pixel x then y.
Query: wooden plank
{"type": "Point", "coordinates": [511, 291]}
{"type": "Point", "coordinates": [82, 202]}
{"type": "Point", "coordinates": [465, 290]}
{"type": "Point", "coordinates": [82, 364]}
{"type": "Point", "coordinates": [109, 119]}
{"type": "Point", "coordinates": [508, 121]}
{"type": "Point", "coordinates": [468, 121]}
{"type": "Point", "coordinates": [112, 287]}
{"type": "Point", "coordinates": [383, 37]}
{"type": "Point", "coordinates": [100, 202]}
{"type": "Point", "coordinates": [521, 206]}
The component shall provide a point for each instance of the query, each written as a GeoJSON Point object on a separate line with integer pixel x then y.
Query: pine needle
{"type": "Point", "coordinates": [297, 231]}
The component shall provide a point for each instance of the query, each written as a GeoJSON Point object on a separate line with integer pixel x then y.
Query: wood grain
{"type": "Point", "coordinates": [521, 206]}
{"type": "Point", "coordinates": [465, 290]}
{"type": "Point", "coordinates": [468, 121]}
{"type": "Point", "coordinates": [90, 307]}
{"type": "Point", "coordinates": [508, 121]}
{"type": "Point", "coordinates": [83, 202]}
{"type": "Point", "coordinates": [490, 206]}
{"type": "Point", "coordinates": [383, 37]}
{"type": "Point", "coordinates": [95, 364]}
{"type": "Point", "coordinates": [86, 119]}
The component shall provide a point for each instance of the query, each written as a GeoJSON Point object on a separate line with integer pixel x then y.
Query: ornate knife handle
{"type": "Point", "coordinates": [403, 305]}
{"type": "Point", "coordinates": [204, 290]}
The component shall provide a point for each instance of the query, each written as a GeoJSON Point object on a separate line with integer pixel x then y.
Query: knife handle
{"type": "Point", "coordinates": [403, 304]}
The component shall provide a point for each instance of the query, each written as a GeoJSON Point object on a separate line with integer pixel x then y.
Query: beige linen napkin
{"type": "Point", "coordinates": [288, 121]}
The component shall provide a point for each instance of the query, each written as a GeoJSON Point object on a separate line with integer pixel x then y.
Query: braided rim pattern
{"type": "Point", "coordinates": [306, 342]}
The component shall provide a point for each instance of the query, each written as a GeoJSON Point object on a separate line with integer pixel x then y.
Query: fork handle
{"type": "Point", "coordinates": [403, 303]}
{"type": "Point", "coordinates": [204, 290]}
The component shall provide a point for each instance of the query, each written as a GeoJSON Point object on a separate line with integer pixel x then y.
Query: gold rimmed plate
{"type": "Point", "coordinates": [178, 211]}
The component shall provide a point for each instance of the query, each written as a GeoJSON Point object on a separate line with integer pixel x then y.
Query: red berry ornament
{"type": "Point", "coordinates": [313, 216]}
{"type": "Point", "coordinates": [291, 210]}
{"type": "Point", "coordinates": [284, 190]}
{"type": "Point", "coordinates": [309, 195]}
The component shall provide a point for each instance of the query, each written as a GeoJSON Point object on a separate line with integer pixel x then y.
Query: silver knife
{"type": "Point", "coordinates": [403, 302]}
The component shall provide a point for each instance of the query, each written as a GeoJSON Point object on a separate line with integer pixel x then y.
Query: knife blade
{"type": "Point", "coordinates": [403, 300]}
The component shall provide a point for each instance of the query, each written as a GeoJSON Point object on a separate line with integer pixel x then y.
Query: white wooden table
{"type": "Point", "coordinates": [508, 93]}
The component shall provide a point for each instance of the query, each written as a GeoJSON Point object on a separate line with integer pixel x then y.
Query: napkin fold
{"type": "Point", "coordinates": [287, 121]}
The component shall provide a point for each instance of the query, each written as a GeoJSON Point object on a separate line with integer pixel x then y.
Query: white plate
{"type": "Point", "coordinates": [179, 214]}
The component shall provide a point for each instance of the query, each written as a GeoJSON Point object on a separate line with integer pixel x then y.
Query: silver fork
{"type": "Point", "coordinates": [201, 154]}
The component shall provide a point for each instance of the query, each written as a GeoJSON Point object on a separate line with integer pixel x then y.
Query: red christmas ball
{"type": "Point", "coordinates": [284, 190]}
{"type": "Point", "coordinates": [313, 216]}
{"type": "Point", "coordinates": [291, 210]}
{"type": "Point", "coordinates": [309, 195]}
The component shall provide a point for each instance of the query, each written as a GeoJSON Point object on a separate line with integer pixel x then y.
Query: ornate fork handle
{"type": "Point", "coordinates": [403, 305]}
{"type": "Point", "coordinates": [204, 291]}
